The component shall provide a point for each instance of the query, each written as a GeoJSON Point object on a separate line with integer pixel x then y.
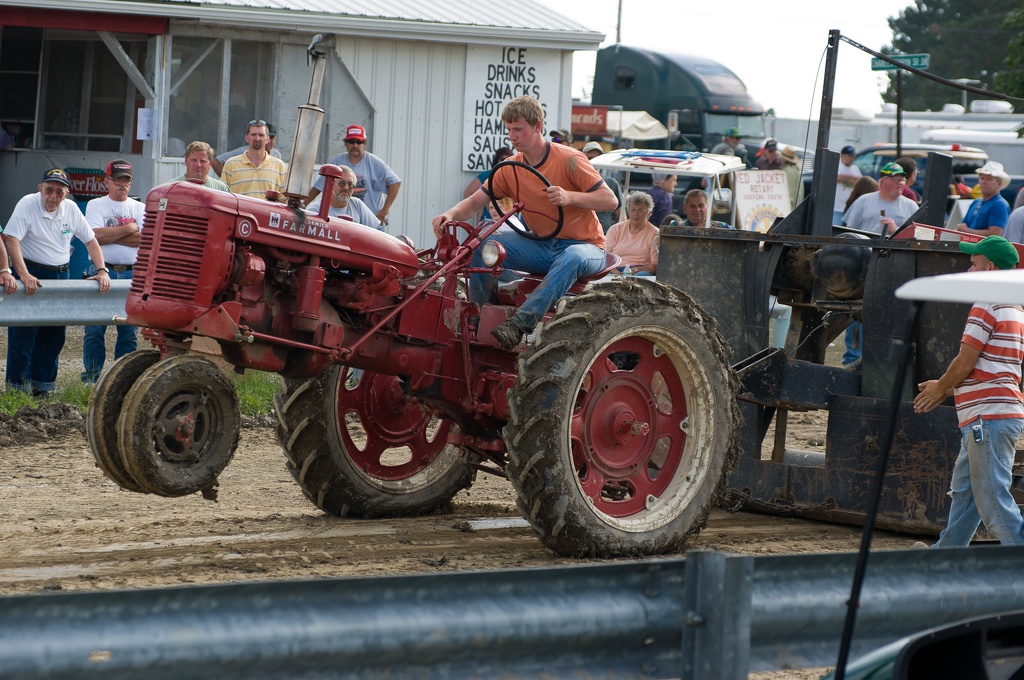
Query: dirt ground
{"type": "Point", "coordinates": [68, 528]}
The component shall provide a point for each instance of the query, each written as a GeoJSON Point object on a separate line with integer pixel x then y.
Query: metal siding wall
{"type": "Point", "coordinates": [416, 90]}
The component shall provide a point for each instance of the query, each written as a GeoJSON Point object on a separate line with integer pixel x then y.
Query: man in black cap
{"type": "Point", "coordinates": [117, 221]}
{"type": "Point", "coordinates": [768, 158]}
{"type": "Point", "coordinates": [39, 237]}
{"type": "Point", "coordinates": [847, 177]}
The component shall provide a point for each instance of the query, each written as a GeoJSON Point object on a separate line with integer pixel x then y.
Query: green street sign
{"type": "Point", "coordinates": [915, 60]}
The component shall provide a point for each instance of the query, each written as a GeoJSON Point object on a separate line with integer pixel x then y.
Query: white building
{"type": "Point", "coordinates": [988, 124]}
{"type": "Point", "coordinates": [77, 78]}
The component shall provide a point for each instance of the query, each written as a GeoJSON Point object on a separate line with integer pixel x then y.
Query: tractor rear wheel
{"type": "Point", "coordinates": [105, 404]}
{"type": "Point", "coordinates": [179, 426]}
{"type": "Point", "coordinates": [623, 422]}
{"type": "Point", "coordinates": [403, 467]}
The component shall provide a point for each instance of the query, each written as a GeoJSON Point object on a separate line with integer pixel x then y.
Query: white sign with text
{"type": "Point", "coordinates": [495, 76]}
{"type": "Point", "coordinates": [761, 197]}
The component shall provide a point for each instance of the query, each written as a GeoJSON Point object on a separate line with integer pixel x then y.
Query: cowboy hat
{"type": "Point", "coordinates": [994, 169]}
{"type": "Point", "coordinates": [789, 155]}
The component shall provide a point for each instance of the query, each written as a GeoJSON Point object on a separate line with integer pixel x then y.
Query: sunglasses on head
{"type": "Point", "coordinates": [257, 122]}
{"type": "Point", "coordinates": [355, 141]}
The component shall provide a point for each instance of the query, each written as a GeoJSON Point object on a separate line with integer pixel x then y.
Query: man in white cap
{"type": "Point", "coordinates": [607, 217]}
{"type": "Point", "coordinates": [987, 215]}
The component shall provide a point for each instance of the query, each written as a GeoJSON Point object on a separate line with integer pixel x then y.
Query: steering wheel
{"type": "Point", "coordinates": [524, 230]}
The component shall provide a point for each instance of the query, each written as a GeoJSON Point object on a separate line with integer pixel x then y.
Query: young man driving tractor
{"type": "Point", "coordinates": [574, 251]}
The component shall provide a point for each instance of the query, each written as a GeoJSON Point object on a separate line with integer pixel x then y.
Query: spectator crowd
{"type": "Point", "coordinates": [36, 244]}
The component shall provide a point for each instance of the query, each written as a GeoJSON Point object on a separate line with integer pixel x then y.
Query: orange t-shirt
{"type": "Point", "coordinates": [564, 167]}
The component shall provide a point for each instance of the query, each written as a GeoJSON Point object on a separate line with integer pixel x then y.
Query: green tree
{"type": "Point", "coordinates": [1010, 80]}
{"type": "Point", "coordinates": [965, 40]}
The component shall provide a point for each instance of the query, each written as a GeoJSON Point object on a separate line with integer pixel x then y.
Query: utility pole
{"type": "Point", "coordinates": [618, 27]}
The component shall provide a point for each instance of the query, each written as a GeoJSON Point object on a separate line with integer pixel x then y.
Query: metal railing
{"type": "Point", "coordinates": [707, 616]}
{"type": "Point", "coordinates": [62, 302]}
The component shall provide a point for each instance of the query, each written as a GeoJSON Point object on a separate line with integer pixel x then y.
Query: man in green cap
{"type": "Point", "coordinates": [984, 380]}
{"type": "Point", "coordinates": [885, 210]}
{"type": "Point", "coordinates": [731, 145]}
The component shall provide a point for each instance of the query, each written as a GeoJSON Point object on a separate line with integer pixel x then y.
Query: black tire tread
{"type": "Point", "coordinates": [542, 474]}
{"type": "Point", "coordinates": [317, 461]}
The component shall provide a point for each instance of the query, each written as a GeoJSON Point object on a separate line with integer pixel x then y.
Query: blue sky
{"type": "Point", "coordinates": [776, 48]}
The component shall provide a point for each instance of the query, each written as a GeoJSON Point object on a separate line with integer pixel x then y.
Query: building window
{"type": "Point", "coordinates": [86, 102]}
{"type": "Point", "coordinates": [20, 52]}
{"type": "Point", "coordinates": [200, 107]}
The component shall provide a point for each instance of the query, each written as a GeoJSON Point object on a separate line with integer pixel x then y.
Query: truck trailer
{"type": "Point", "coordinates": [697, 99]}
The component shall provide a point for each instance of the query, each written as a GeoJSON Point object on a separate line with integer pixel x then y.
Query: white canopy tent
{"type": "Point", "coordinates": [635, 125]}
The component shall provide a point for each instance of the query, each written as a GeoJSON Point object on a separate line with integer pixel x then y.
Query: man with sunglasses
{"type": "Point", "coordinates": [255, 172]}
{"type": "Point", "coordinates": [885, 210]}
{"type": "Point", "coordinates": [116, 219]}
{"type": "Point", "coordinates": [377, 184]}
{"type": "Point", "coordinates": [38, 239]}
{"type": "Point", "coordinates": [343, 203]}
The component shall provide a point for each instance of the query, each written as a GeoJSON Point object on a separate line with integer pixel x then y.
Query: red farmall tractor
{"type": "Point", "coordinates": [614, 421]}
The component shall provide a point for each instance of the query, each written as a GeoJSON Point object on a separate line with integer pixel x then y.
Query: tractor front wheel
{"type": "Point", "coordinates": [105, 404]}
{"type": "Point", "coordinates": [623, 422]}
{"type": "Point", "coordinates": [362, 447]}
{"type": "Point", "coordinates": [179, 426]}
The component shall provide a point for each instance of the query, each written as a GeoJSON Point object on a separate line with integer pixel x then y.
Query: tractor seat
{"type": "Point", "coordinates": [611, 263]}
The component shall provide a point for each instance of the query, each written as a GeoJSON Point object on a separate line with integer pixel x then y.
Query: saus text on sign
{"type": "Point", "coordinates": [495, 76]}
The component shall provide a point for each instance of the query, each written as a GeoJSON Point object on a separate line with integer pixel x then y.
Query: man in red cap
{"type": "Point", "coordinates": [377, 184]}
{"type": "Point", "coordinates": [116, 219]}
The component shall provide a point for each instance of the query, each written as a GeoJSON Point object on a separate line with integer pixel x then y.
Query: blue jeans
{"type": "Point", "coordinates": [980, 487]}
{"type": "Point", "coordinates": [854, 332]}
{"type": "Point", "coordinates": [562, 260]}
{"type": "Point", "coordinates": [94, 351]}
{"type": "Point", "coordinates": [33, 351]}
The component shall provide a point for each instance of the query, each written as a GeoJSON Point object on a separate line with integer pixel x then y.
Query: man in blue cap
{"type": "Point", "coordinates": [984, 380]}
{"type": "Point", "coordinates": [847, 176]}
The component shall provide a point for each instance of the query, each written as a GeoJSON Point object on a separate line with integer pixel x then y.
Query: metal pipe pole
{"type": "Point", "coordinates": [899, 113]}
{"type": "Point", "coordinates": [61, 302]}
{"type": "Point", "coordinates": [825, 113]}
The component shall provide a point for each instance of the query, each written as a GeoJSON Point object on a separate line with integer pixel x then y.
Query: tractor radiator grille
{"type": "Point", "coordinates": [178, 256]}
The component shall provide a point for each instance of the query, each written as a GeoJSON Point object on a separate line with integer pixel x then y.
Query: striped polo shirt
{"type": "Point", "coordinates": [245, 178]}
{"type": "Point", "coordinates": [992, 390]}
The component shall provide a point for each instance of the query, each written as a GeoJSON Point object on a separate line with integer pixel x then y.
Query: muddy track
{"type": "Point", "coordinates": [67, 527]}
